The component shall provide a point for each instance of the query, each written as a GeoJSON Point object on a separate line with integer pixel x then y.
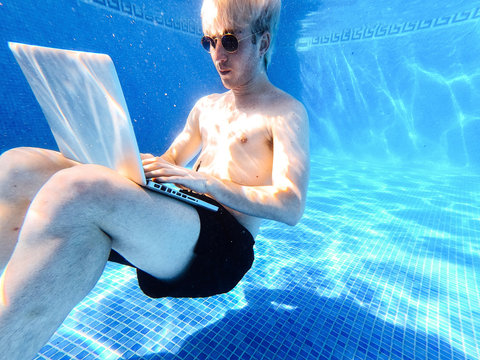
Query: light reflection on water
{"type": "Point", "coordinates": [385, 250]}
{"type": "Point", "coordinates": [403, 243]}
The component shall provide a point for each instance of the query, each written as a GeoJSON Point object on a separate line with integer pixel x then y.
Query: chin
{"type": "Point", "coordinates": [227, 85]}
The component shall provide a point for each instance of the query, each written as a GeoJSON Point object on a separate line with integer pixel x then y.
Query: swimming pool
{"type": "Point", "coordinates": [384, 265]}
{"type": "Point", "coordinates": [385, 262]}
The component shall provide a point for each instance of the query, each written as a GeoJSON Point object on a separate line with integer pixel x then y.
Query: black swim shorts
{"type": "Point", "coordinates": [222, 256]}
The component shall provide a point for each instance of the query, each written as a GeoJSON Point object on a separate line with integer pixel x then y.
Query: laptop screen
{"type": "Point", "coordinates": [83, 102]}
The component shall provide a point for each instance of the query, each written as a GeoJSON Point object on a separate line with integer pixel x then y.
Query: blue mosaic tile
{"type": "Point", "coordinates": [394, 280]}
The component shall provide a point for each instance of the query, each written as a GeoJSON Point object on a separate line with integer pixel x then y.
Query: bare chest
{"type": "Point", "coordinates": [239, 148]}
{"type": "Point", "coordinates": [240, 132]}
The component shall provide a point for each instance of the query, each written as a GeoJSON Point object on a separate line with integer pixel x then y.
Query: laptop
{"type": "Point", "coordinates": [82, 100]}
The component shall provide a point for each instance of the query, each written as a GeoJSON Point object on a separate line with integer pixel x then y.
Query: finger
{"type": "Point", "coordinates": [153, 166]}
{"type": "Point", "coordinates": [155, 163]}
{"type": "Point", "coordinates": [169, 179]}
{"type": "Point", "coordinates": [148, 161]}
{"type": "Point", "coordinates": [146, 156]}
{"type": "Point", "coordinates": [156, 172]}
{"type": "Point", "coordinates": [157, 160]}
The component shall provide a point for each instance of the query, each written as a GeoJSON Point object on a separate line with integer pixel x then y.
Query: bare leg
{"type": "Point", "coordinates": [53, 267]}
{"type": "Point", "coordinates": [24, 171]}
{"type": "Point", "coordinates": [64, 244]}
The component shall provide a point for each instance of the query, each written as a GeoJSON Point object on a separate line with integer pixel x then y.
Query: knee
{"type": "Point", "coordinates": [15, 162]}
{"type": "Point", "coordinates": [23, 165]}
{"type": "Point", "coordinates": [72, 202]}
{"type": "Point", "coordinates": [82, 186]}
{"type": "Point", "coordinates": [18, 173]}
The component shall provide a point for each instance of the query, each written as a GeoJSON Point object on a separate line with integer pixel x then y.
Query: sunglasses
{"type": "Point", "coordinates": [229, 42]}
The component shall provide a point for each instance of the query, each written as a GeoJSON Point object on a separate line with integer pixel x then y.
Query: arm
{"type": "Point", "coordinates": [187, 144]}
{"type": "Point", "coordinates": [284, 199]}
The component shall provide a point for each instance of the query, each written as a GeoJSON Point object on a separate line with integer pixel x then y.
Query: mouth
{"type": "Point", "coordinates": [223, 72]}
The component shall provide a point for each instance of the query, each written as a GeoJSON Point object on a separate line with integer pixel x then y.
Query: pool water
{"type": "Point", "coordinates": [385, 264]}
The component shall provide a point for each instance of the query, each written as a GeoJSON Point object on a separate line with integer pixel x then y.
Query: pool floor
{"type": "Point", "coordinates": [385, 264]}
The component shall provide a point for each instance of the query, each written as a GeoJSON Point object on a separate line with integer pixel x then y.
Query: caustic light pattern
{"type": "Point", "coordinates": [383, 265]}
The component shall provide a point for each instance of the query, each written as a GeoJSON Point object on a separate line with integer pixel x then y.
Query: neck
{"type": "Point", "coordinates": [247, 95]}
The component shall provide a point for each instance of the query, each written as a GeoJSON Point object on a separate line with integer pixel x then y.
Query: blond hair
{"type": "Point", "coordinates": [260, 15]}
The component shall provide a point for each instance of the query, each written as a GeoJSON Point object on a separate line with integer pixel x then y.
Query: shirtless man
{"type": "Point", "coordinates": [61, 221]}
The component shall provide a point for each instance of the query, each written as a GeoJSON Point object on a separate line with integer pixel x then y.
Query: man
{"type": "Point", "coordinates": [61, 221]}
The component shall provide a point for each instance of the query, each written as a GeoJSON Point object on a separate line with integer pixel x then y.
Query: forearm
{"type": "Point", "coordinates": [167, 156]}
{"type": "Point", "coordinates": [269, 202]}
{"type": "Point", "coordinates": [282, 201]}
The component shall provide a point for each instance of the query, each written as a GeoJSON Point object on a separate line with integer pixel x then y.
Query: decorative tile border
{"type": "Point", "coordinates": [141, 12]}
{"type": "Point", "coordinates": [380, 31]}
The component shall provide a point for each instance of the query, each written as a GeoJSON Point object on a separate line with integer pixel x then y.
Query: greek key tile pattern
{"type": "Point", "coordinates": [380, 31]}
{"type": "Point", "coordinates": [141, 12]}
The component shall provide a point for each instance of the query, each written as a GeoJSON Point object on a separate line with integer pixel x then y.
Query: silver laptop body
{"type": "Point", "coordinates": [82, 99]}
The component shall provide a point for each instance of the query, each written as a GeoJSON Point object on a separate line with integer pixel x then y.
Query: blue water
{"type": "Point", "coordinates": [384, 265]}
{"type": "Point", "coordinates": [385, 262]}
{"type": "Point", "coordinates": [394, 82]}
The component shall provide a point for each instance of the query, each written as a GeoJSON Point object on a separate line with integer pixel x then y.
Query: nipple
{"type": "Point", "coordinates": [243, 139]}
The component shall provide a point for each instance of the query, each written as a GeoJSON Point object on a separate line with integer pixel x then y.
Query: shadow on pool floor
{"type": "Point", "coordinates": [298, 324]}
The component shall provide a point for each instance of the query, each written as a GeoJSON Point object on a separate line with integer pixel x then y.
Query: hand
{"type": "Point", "coordinates": [163, 171]}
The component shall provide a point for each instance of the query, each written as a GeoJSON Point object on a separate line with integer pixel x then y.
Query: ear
{"type": "Point", "coordinates": [265, 43]}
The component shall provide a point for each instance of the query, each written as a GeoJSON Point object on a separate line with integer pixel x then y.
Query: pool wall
{"type": "Point", "coordinates": [392, 84]}
{"type": "Point", "coordinates": [396, 82]}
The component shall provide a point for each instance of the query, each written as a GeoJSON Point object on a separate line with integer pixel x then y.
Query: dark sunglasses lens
{"type": "Point", "coordinates": [229, 43]}
{"type": "Point", "coordinates": [207, 43]}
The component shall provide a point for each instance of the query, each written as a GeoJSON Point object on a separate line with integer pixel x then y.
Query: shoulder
{"type": "Point", "coordinates": [203, 107]}
{"type": "Point", "coordinates": [209, 100]}
{"type": "Point", "coordinates": [288, 109]}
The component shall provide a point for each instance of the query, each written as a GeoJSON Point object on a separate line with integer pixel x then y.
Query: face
{"type": "Point", "coordinates": [239, 68]}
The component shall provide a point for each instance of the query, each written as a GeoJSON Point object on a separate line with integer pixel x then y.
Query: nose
{"type": "Point", "coordinates": [219, 54]}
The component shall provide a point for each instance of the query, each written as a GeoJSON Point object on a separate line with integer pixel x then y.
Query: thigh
{"type": "Point", "coordinates": [153, 232]}
{"type": "Point", "coordinates": [41, 160]}
{"type": "Point", "coordinates": [25, 170]}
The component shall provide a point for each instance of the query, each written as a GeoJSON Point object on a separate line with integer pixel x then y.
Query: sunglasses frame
{"type": "Point", "coordinates": [213, 41]}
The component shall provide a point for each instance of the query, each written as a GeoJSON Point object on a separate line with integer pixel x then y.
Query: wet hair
{"type": "Point", "coordinates": [259, 15]}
